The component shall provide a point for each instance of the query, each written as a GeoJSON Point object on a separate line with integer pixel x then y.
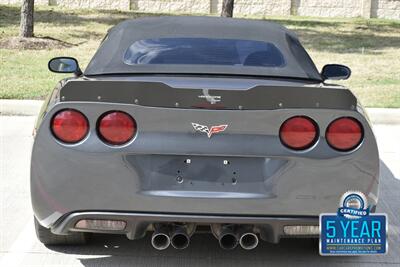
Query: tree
{"type": "Point", "coordinates": [227, 8]}
{"type": "Point", "coordinates": [26, 26]}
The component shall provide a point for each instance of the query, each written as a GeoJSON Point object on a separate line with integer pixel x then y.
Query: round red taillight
{"type": "Point", "coordinates": [116, 127]}
{"type": "Point", "coordinates": [69, 126]}
{"type": "Point", "coordinates": [299, 133]}
{"type": "Point", "coordinates": [344, 134]}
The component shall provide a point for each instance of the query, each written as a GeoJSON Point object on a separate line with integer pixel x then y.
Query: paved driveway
{"type": "Point", "coordinates": [18, 244]}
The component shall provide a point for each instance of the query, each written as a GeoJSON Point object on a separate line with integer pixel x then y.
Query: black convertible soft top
{"type": "Point", "coordinates": [109, 59]}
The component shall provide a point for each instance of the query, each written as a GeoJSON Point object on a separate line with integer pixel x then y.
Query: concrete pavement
{"type": "Point", "coordinates": [19, 246]}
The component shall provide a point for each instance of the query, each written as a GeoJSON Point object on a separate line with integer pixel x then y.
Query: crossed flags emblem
{"type": "Point", "coordinates": [209, 131]}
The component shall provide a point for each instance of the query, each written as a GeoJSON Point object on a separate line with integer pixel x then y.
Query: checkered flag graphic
{"type": "Point", "coordinates": [200, 128]}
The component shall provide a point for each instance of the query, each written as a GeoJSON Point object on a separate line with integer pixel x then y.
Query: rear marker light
{"type": "Point", "coordinates": [299, 133]}
{"type": "Point", "coordinates": [301, 230]}
{"type": "Point", "coordinates": [344, 134]}
{"type": "Point", "coordinates": [69, 126]}
{"type": "Point", "coordinates": [107, 225]}
{"type": "Point", "coordinates": [116, 127]}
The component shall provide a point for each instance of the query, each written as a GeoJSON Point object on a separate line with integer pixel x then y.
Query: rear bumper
{"type": "Point", "coordinates": [270, 228]}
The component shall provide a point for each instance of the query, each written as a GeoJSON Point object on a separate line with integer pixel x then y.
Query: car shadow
{"type": "Point", "coordinates": [203, 251]}
{"type": "Point", "coordinates": [387, 174]}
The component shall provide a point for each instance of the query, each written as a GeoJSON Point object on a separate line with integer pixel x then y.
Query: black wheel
{"type": "Point", "coordinates": [48, 238]}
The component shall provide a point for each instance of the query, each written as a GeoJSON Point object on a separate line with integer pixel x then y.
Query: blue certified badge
{"type": "Point", "coordinates": [353, 230]}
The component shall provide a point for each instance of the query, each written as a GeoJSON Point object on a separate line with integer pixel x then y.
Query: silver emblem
{"type": "Point", "coordinates": [209, 131]}
{"type": "Point", "coordinates": [213, 99]}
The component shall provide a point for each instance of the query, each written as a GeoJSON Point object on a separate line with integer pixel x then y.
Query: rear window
{"type": "Point", "coordinates": [204, 51]}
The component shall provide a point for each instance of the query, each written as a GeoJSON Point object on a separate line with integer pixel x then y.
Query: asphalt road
{"type": "Point", "coordinates": [19, 247]}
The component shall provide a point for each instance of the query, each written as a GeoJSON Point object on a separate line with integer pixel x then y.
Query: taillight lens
{"type": "Point", "coordinates": [299, 133]}
{"type": "Point", "coordinates": [69, 126]}
{"type": "Point", "coordinates": [116, 127]}
{"type": "Point", "coordinates": [344, 134]}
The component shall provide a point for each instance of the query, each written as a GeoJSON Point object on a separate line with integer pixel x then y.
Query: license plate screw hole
{"type": "Point", "coordinates": [179, 179]}
{"type": "Point", "coordinates": [226, 162]}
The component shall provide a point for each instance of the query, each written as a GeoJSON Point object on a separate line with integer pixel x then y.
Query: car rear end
{"type": "Point", "coordinates": [112, 160]}
{"type": "Point", "coordinates": [181, 125]}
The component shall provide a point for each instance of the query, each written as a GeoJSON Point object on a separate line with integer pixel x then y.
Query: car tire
{"type": "Point", "coordinates": [48, 238]}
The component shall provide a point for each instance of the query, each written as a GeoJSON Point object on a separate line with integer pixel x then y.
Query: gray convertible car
{"type": "Point", "coordinates": [184, 125]}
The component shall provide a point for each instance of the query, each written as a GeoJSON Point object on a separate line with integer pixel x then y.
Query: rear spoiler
{"type": "Point", "coordinates": [159, 94]}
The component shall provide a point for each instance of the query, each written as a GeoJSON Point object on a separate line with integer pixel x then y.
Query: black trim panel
{"type": "Point", "coordinates": [158, 94]}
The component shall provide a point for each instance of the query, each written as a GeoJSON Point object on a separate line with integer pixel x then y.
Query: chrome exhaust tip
{"type": "Point", "coordinates": [226, 234]}
{"type": "Point", "coordinates": [160, 239]}
{"type": "Point", "coordinates": [180, 240]}
{"type": "Point", "coordinates": [248, 241]}
{"type": "Point", "coordinates": [228, 241]}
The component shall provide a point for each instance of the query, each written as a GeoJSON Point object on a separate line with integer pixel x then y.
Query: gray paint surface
{"type": "Point", "coordinates": [142, 175]}
{"type": "Point", "coordinates": [20, 247]}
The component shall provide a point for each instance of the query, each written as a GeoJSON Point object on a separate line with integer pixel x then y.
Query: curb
{"type": "Point", "coordinates": [9, 107]}
{"type": "Point", "coordinates": [384, 115]}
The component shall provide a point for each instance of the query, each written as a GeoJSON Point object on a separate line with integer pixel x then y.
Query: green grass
{"type": "Point", "coordinates": [371, 48]}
